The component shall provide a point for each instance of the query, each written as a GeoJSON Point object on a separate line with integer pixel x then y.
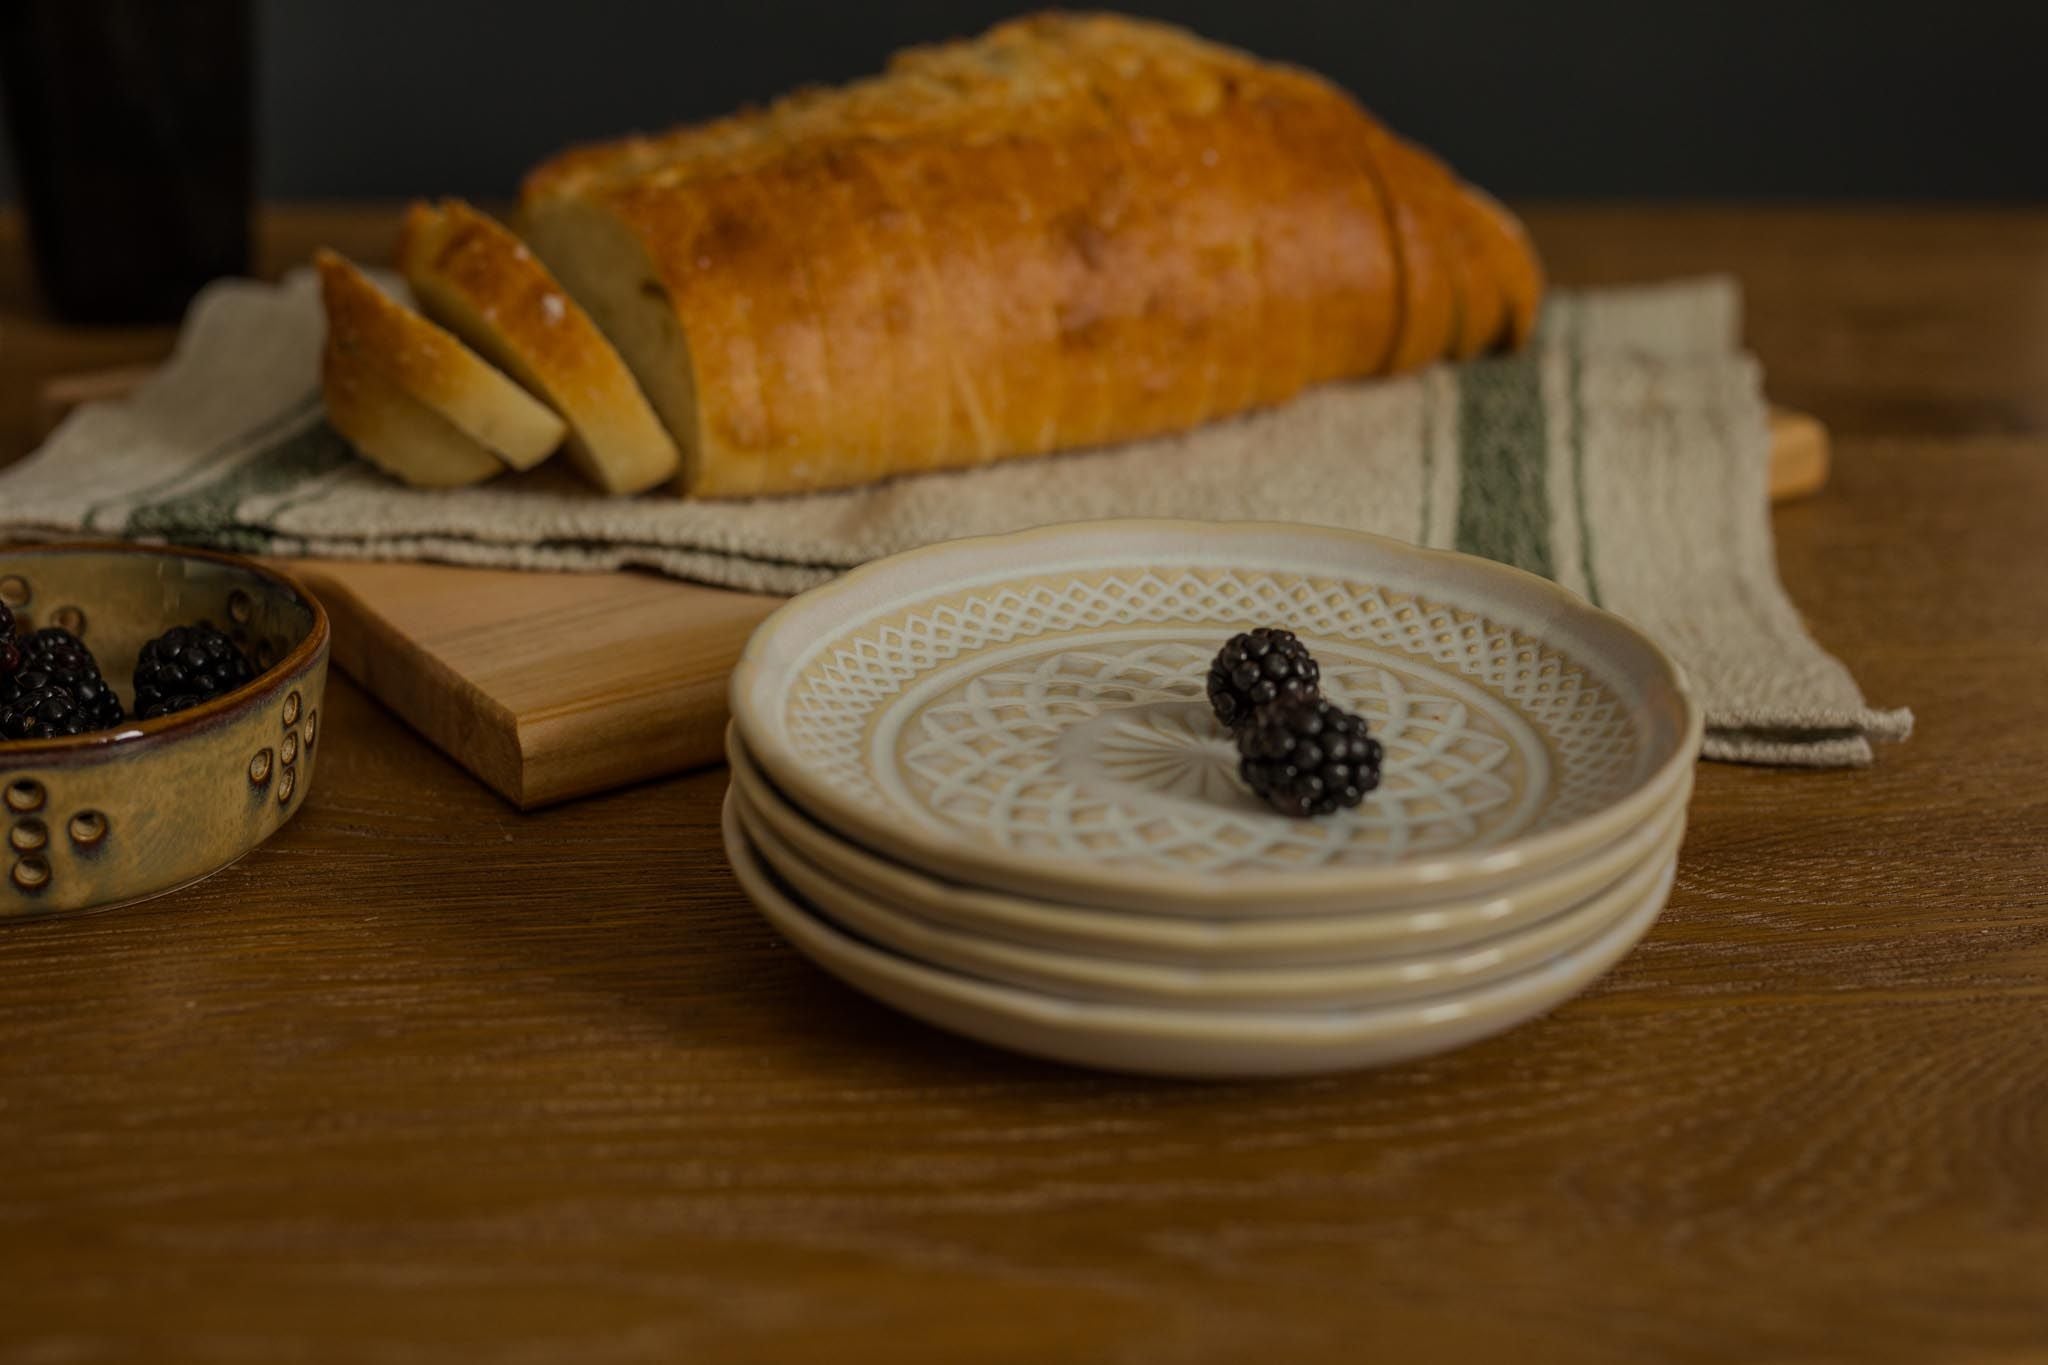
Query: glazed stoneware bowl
{"type": "Point", "coordinates": [120, 815]}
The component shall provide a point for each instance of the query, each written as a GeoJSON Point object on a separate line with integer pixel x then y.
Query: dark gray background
{"type": "Point", "coordinates": [402, 97]}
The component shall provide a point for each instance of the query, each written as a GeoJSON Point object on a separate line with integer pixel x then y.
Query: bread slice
{"type": "Point", "coordinates": [384, 348]}
{"type": "Point", "coordinates": [395, 431]}
{"type": "Point", "coordinates": [608, 270]}
{"type": "Point", "coordinates": [471, 274]}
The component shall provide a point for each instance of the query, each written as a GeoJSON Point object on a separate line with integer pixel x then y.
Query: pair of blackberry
{"type": "Point", "coordinates": [51, 686]}
{"type": "Point", "coordinates": [1299, 753]}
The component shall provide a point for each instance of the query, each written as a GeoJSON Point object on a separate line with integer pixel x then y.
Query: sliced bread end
{"type": "Point", "coordinates": [377, 334]}
{"type": "Point", "coordinates": [395, 431]}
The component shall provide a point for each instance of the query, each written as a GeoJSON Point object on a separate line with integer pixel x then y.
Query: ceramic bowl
{"type": "Point", "coordinates": [1027, 712]}
{"type": "Point", "coordinates": [120, 815]}
{"type": "Point", "coordinates": [1211, 1044]}
{"type": "Point", "coordinates": [1204, 937]}
{"type": "Point", "coordinates": [1413, 976]}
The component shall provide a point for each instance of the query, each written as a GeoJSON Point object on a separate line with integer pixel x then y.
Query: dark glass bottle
{"type": "Point", "coordinates": [130, 121]}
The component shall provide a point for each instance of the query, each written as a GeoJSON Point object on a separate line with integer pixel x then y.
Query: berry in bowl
{"type": "Point", "coordinates": [159, 714]}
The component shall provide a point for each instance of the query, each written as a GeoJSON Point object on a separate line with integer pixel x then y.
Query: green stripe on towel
{"type": "Point", "coordinates": [1575, 384]}
{"type": "Point", "coordinates": [208, 514]}
{"type": "Point", "coordinates": [1503, 487]}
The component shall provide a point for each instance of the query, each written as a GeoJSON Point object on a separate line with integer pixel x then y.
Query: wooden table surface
{"type": "Point", "coordinates": [425, 1079]}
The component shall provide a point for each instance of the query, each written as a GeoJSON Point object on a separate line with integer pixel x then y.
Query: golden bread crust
{"type": "Point", "coordinates": [1514, 261]}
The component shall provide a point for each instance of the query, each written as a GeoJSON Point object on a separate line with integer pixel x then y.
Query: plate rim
{"type": "Point", "coordinates": [1278, 1031]}
{"type": "Point", "coordinates": [1203, 933]}
{"type": "Point", "coordinates": [963, 861]}
{"type": "Point", "coordinates": [1234, 987]}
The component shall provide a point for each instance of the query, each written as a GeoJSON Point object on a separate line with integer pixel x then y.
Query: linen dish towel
{"type": "Point", "coordinates": [1625, 455]}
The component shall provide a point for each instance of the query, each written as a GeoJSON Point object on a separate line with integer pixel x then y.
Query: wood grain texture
{"type": "Point", "coordinates": [424, 1079]}
{"type": "Point", "coordinates": [546, 686]}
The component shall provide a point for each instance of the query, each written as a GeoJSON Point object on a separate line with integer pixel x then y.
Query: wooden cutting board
{"type": "Point", "coordinates": [545, 685]}
{"type": "Point", "coordinates": [550, 686]}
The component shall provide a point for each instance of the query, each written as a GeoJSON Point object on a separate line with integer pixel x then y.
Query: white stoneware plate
{"type": "Point", "coordinates": [1211, 1044]}
{"type": "Point", "coordinates": [1028, 712]}
{"type": "Point", "coordinates": [1121, 981]}
{"type": "Point", "coordinates": [1206, 938]}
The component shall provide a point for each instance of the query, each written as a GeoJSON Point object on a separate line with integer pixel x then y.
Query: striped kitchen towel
{"type": "Point", "coordinates": [1625, 456]}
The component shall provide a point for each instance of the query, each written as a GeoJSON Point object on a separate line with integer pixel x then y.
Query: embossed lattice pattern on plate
{"type": "Point", "coordinates": [1076, 750]}
{"type": "Point", "coordinates": [1490, 733]}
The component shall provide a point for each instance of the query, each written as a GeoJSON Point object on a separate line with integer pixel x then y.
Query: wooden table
{"type": "Point", "coordinates": [425, 1079]}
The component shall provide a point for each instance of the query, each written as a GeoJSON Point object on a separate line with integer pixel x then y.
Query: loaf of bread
{"type": "Point", "coordinates": [477, 279]}
{"type": "Point", "coordinates": [1072, 231]}
{"type": "Point", "coordinates": [412, 398]}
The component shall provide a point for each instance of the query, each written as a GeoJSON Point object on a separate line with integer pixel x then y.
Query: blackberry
{"type": "Point", "coordinates": [56, 690]}
{"type": "Point", "coordinates": [1303, 756]}
{"type": "Point", "coordinates": [59, 651]}
{"type": "Point", "coordinates": [185, 666]}
{"type": "Point", "coordinates": [50, 711]}
{"type": "Point", "coordinates": [1258, 667]}
{"type": "Point", "coordinates": [10, 652]}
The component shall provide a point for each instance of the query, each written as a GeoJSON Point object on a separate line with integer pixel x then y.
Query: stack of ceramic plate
{"type": "Point", "coordinates": [982, 782]}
